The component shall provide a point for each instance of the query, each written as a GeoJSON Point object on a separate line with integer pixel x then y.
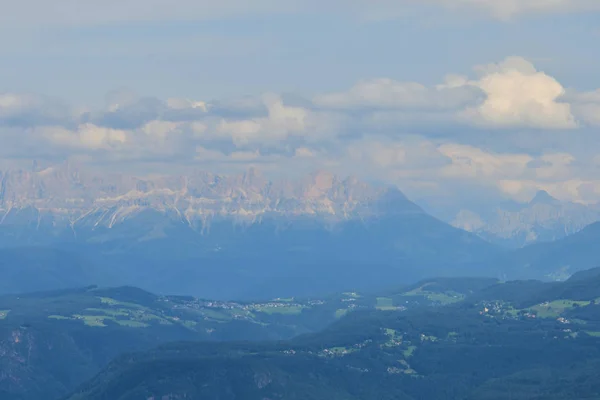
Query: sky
{"type": "Point", "coordinates": [457, 102]}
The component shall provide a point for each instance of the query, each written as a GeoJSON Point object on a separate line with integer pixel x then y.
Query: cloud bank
{"type": "Point", "coordinates": [466, 132]}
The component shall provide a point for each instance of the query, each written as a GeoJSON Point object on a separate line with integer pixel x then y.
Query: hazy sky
{"type": "Point", "coordinates": [469, 100]}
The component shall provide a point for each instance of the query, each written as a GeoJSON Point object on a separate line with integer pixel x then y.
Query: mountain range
{"type": "Point", "coordinates": [71, 199]}
{"type": "Point", "coordinates": [67, 201]}
{"type": "Point", "coordinates": [246, 237]}
{"type": "Point", "coordinates": [543, 219]}
{"type": "Point", "coordinates": [229, 237]}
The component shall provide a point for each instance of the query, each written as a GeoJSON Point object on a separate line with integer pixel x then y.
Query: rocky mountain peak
{"type": "Point", "coordinates": [543, 197]}
{"type": "Point", "coordinates": [65, 192]}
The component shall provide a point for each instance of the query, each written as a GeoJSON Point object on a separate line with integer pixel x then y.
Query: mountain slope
{"type": "Point", "coordinates": [52, 341]}
{"type": "Point", "coordinates": [555, 260]}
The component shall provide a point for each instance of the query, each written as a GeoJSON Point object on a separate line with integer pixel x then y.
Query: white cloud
{"type": "Point", "coordinates": [198, 129]}
{"type": "Point", "coordinates": [382, 155]}
{"type": "Point", "coordinates": [274, 164]}
{"type": "Point", "coordinates": [87, 136]}
{"type": "Point", "coordinates": [387, 93]}
{"type": "Point", "coordinates": [207, 155]}
{"type": "Point", "coordinates": [586, 106]}
{"type": "Point", "coordinates": [184, 104]}
{"type": "Point", "coordinates": [426, 168]}
{"type": "Point", "coordinates": [554, 166]}
{"type": "Point", "coordinates": [29, 109]}
{"type": "Point", "coordinates": [518, 176]}
{"type": "Point", "coordinates": [374, 130]}
{"type": "Point", "coordinates": [281, 123]}
{"type": "Point", "coordinates": [11, 103]}
{"type": "Point", "coordinates": [519, 96]}
{"type": "Point", "coordinates": [304, 152]}
{"type": "Point", "coordinates": [472, 162]}
{"type": "Point", "coordinates": [160, 129]}
{"type": "Point", "coordinates": [509, 94]}
{"type": "Point", "coordinates": [411, 162]}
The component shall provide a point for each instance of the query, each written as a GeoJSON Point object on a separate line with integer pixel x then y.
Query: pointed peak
{"type": "Point", "coordinates": [543, 197]}
{"type": "Point", "coordinates": [394, 201]}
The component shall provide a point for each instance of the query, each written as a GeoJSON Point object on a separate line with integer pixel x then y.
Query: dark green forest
{"type": "Point", "coordinates": [446, 338]}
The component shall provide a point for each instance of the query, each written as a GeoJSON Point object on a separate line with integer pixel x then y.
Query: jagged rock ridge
{"type": "Point", "coordinates": [70, 197]}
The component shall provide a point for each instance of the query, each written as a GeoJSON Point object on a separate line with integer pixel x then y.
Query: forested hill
{"type": "Point", "coordinates": [53, 341]}
{"type": "Point", "coordinates": [508, 340]}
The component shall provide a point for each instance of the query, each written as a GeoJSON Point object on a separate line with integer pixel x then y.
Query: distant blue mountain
{"type": "Point", "coordinates": [233, 236]}
{"type": "Point", "coordinates": [543, 219]}
{"type": "Point", "coordinates": [556, 260]}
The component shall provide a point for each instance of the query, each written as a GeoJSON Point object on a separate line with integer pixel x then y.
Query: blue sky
{"type": "Point", "coordinates": [496, 97]}
{"type": "Point", "coordinates": [299, 52]}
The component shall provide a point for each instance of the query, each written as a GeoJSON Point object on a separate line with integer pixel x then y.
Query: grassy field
{"type": "Point", "coordinates": [394, 340]}
{"type": "Point", "coordinates": [390, 332]}
{"type": "Point", "coordinates": [444, 298]}
{"type": "Point", "coordinates": [409, 351]}
{"type": "Point", "coordinates": [408, 370]}
{"type": "Point", "coordinates": [59, 317]}
{"type": "Point", "coordinates": [122, 313]}
{"type": "Point", "coordinates": [99, 321]}
{"type": "Point", "coordinates": [420, 291]}
{"type": "Point", "coordinates": [385, 303]}
{"type": "Point", "coordinates": [113, 302]}
{"type": "Point", "coordinates": [555, 308]}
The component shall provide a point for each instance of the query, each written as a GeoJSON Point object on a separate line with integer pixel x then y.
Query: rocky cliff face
{"type": "Point", "coordinates": [65, 197]}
